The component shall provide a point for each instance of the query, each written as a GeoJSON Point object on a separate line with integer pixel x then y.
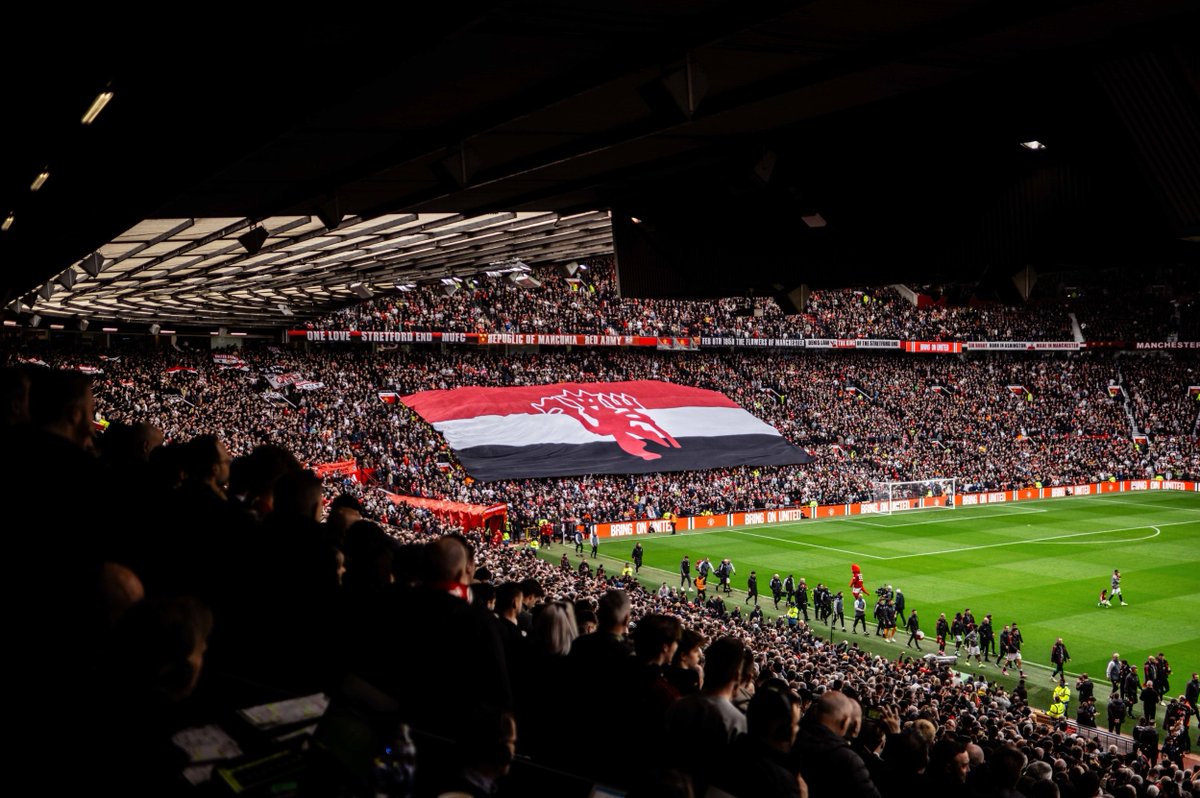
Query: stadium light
{"type": "Point", "coordinates": [1033, 144]}
{"type": "Point", "coordinates": [8, 221]}
{"type": "Point", "coordinates": [329, 213]}
{"type": "Point", "coordinates": [93, 111]}
{"type": "Point", "coordinates": [92, 264]}
{"type": "Point", "coordinates": [253, 239]}
{"type": "Point", "coordinates": [40, 180]}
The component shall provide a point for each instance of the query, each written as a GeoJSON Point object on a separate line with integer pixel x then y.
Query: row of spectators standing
{"type": "Point", "coordinates": [589, 302]}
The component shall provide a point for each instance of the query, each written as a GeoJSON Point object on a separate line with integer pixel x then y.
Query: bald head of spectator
{"type": "Point", "coordinates": [448, 562]}
{"type": "Point", "coordinates": [120, 589]}
{"type": "Point", "coordinates": [838, 713]}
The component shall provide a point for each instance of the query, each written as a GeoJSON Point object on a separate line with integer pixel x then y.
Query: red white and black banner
{"type": "Point", "coordinates": [278, 381]}
{"type": "Point", "coordinates": [599, 428]}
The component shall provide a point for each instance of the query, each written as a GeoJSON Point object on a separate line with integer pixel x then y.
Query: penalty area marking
{"type": "Point", "coordinates": [1037, 540]}
{"type": "Point", "coordinates": [811, 545]}
{"type": "Point", "coordinates": [1015, 511]}
{"type": "Point", "coordinates": [1157, 532]}
{"type": "Point", "coordinates": [1122, 498]}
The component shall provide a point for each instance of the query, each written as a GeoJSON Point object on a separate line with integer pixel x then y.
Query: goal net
{"type": "Point", "coordinates": [925, 494]}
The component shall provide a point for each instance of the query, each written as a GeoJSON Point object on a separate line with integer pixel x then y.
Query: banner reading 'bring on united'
{"type": "Point", "coordinates": [598, 428]}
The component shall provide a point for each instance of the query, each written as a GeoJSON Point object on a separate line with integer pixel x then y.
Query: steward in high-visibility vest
{"type": "Point", "coordinates": [793, 615]}
{"type": "Point", "coordinates": [627, 570]}
{"type": "Point", "coordinates": [1057, 710]}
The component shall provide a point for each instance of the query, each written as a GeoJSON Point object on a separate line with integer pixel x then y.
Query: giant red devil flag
{"type": "Point", "coordinates": [598, 428]}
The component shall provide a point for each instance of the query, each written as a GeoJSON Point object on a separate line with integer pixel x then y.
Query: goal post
{"type": "Point", "coordinates": [889, 497]}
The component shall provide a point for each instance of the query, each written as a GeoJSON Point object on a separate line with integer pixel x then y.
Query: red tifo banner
{"type": "Point", "coordinates": [468, 516]}
{"type": "Point", "coordinates": [343, 468]}
{"type": "Point", "coordinates": [563, 429]}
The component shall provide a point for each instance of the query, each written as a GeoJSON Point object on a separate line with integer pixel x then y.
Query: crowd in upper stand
{"type": "Point", "coordinates": [1000, 422]}
{"type": "Point", "coordinates": [589, 303]}
{"type": "Point", "coordinates": [159, 587]}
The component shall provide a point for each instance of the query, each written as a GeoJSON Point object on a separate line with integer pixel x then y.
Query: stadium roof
{"type": "Point", "coordinates": [899, 124]}
{"type": "Point", "coordinates": [182, 270]}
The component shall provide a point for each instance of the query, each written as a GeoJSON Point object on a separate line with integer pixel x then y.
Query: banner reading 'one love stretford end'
{"type": "Point", "coordinates": [599, 428]}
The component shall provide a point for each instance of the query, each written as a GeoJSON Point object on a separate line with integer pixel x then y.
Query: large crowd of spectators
{"type": "Point", "coordinates": [590, 303]}
{"type": "Point", "coordinates": [203, 581]}
{"type": "Point", "coordinates": [993, 422]}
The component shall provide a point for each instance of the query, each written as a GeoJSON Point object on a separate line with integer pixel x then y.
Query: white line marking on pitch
{"type": "Point", "coordinates": [1156, 505]}
{"type": "Point", "coordinates": [1034, 540]}
{"type": "Point", "coordinates": [811, 545]}
{"type": "Point", "coordinates": [1015, 511]}
{"type": "Point", "coordinates": [1157, 532]}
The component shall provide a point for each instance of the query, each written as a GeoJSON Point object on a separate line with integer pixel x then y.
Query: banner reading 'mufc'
{"type": "Point", "coordinates": [598, 428]}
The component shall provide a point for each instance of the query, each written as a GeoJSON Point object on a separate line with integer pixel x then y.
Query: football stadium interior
{"type": "Point", "coordinates": [605, 399]}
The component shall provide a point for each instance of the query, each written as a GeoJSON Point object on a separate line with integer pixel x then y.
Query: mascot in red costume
{"type": "Point", "coordinates": [856, 582]}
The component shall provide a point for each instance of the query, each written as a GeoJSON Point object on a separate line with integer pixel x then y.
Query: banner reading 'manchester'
{"type": "Point", "coordinates": [598, 428]}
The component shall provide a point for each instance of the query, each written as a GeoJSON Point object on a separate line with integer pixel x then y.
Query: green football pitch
{"type": "Point", "coordinates": [1040, 563]}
